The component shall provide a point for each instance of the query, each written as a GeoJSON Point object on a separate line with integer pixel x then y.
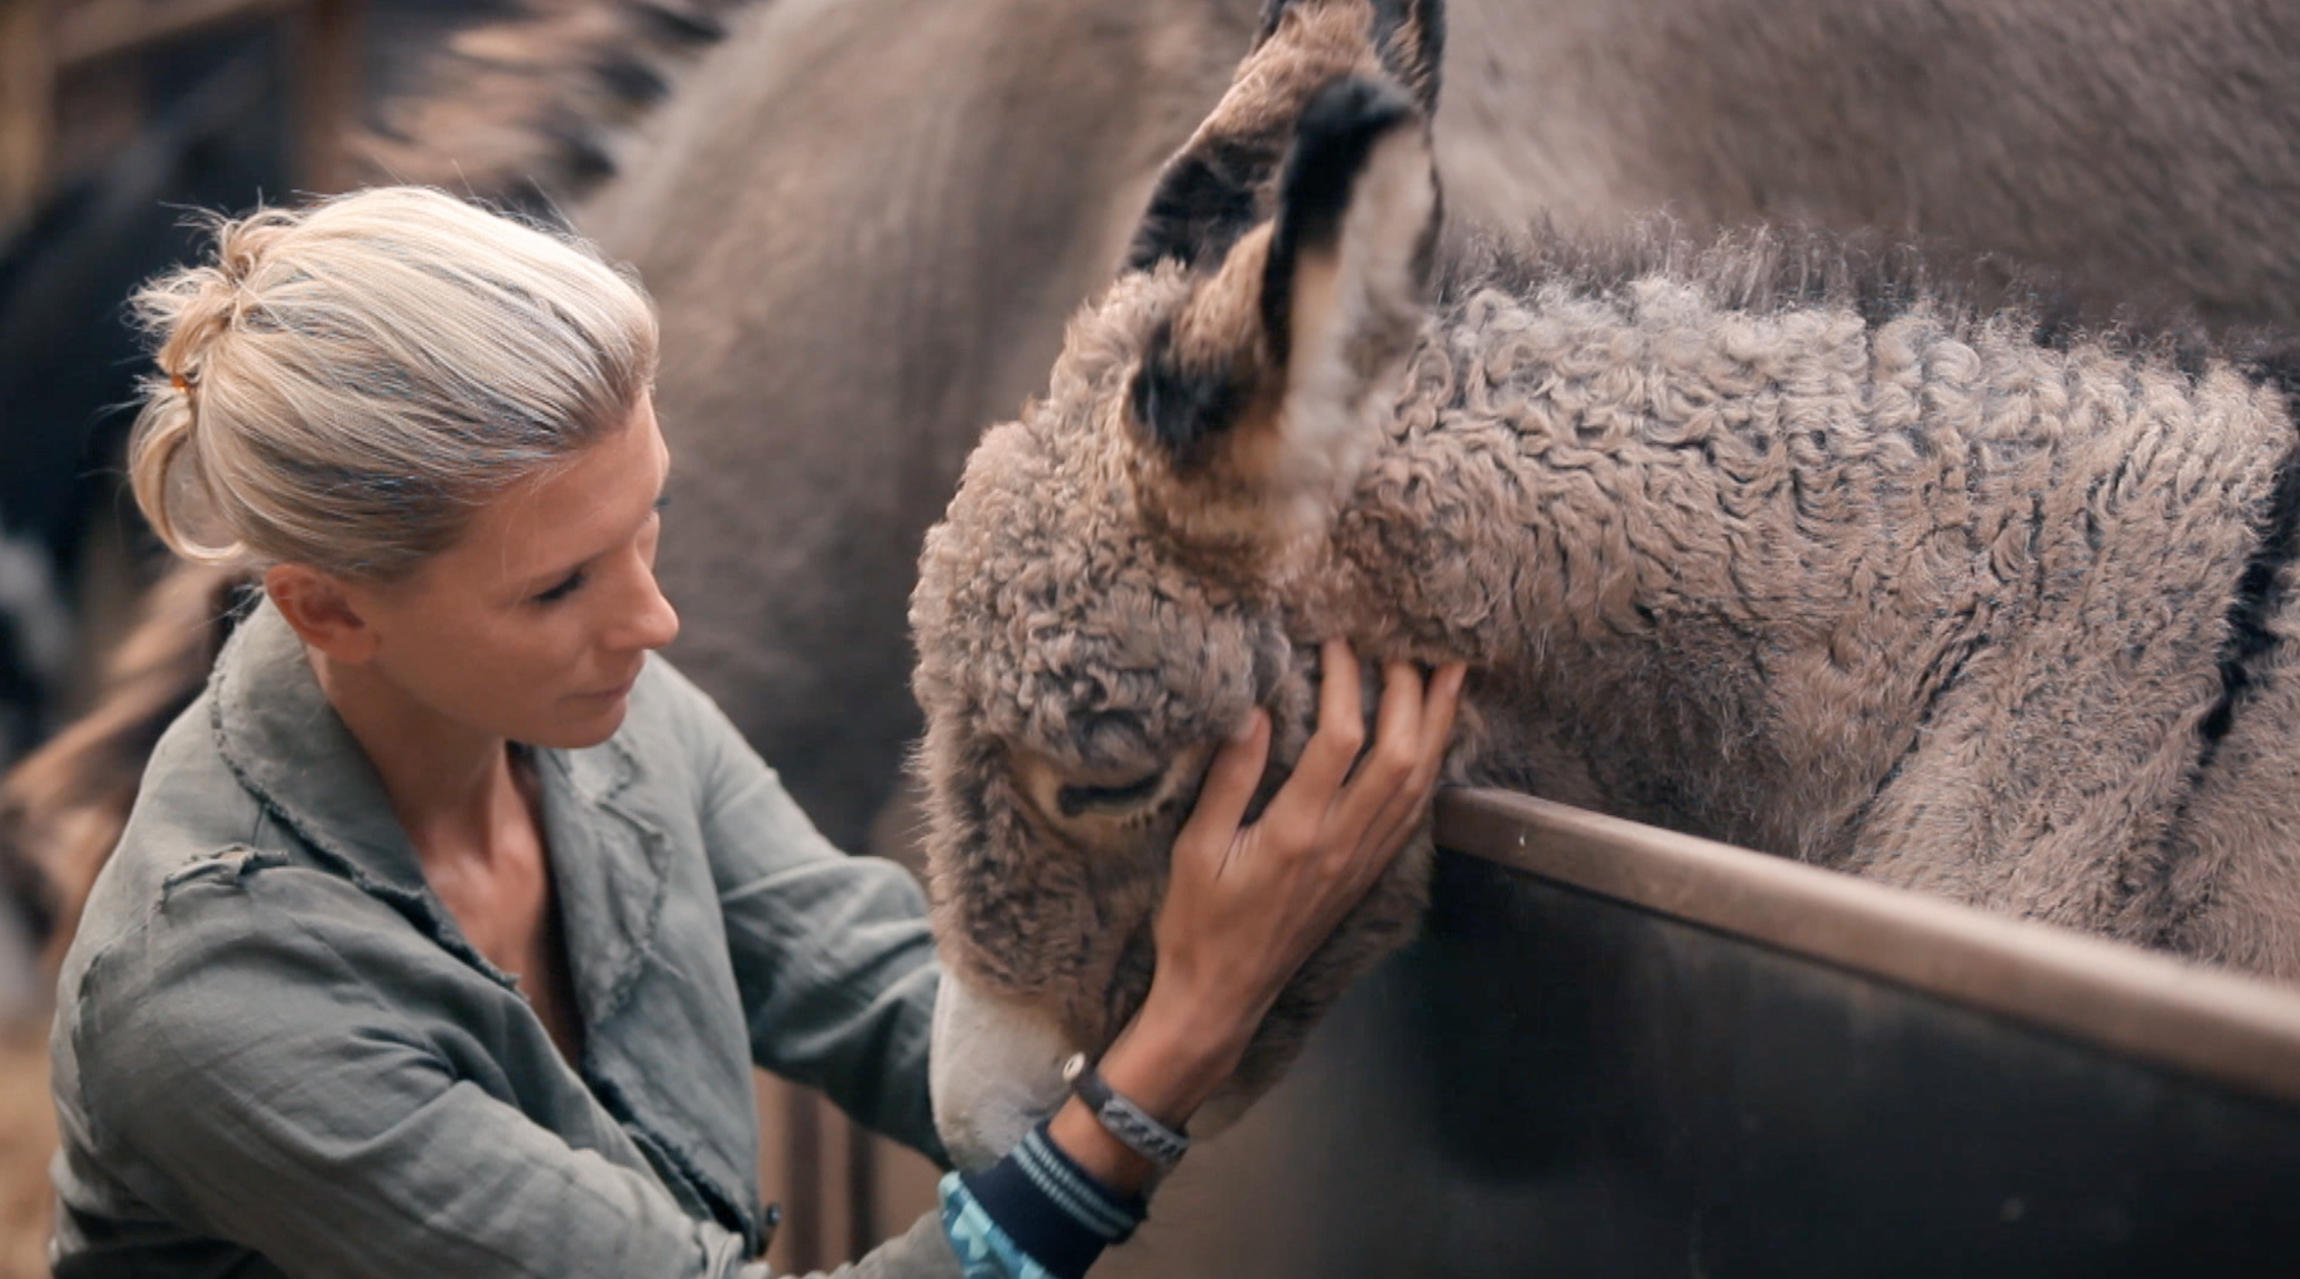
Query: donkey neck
{"type": "Point", "coordinates": [1735, 556]}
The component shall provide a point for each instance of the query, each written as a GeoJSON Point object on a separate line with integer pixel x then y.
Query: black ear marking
{"type": "Point", "coordinates": [1337, 133]}
{"type": "Point", "coordinates": [1180, 406]}
{"type": "Point", "coordinates": [1408, 34]}
{"type": "Point", "coordinates": [1203, 202]}
{"type": "Point", "coordinates": [682, 22]}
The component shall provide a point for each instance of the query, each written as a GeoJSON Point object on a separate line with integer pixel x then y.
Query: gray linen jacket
{"type": "Point", "coordinates": [276, 1054]}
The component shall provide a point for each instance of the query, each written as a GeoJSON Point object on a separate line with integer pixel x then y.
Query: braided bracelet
{"type": "Point", "coordinates": [1122, 1119]}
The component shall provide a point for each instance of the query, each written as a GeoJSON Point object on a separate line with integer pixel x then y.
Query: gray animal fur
{"type": "Point", "coordinates": [1732, 547]}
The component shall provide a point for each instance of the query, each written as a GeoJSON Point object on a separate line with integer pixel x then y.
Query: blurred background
{"type": "Point", "coordinates": [115, 118]}
{"type": "Point", "coordinates": [864, 223]}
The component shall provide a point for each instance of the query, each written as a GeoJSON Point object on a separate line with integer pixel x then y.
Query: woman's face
{"type": "Point", "coordinates": [534, 626]}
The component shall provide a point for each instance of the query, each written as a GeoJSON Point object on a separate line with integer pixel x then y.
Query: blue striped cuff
{"type": "Point", "coordinates": [1051, 1208]}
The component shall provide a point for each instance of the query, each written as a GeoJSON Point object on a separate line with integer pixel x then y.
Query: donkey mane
{"type": "Point", "coordinates": [1771, 269]}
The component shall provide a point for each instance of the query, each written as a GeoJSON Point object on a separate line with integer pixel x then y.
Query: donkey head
{"type": "Point", "coordinates": [1111, 591]}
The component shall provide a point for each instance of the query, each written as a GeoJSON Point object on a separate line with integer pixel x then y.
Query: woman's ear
{"type": "Point", "coordinates": [323, 611]}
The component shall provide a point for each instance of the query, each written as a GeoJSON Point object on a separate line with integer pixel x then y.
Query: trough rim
{"type": "Point", "coordinates": [2236, 1030]}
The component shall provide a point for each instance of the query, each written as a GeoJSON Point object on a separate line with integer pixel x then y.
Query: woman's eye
{"type": "Point", "coordinates": [1076, 800]}
{"type": "Point", "coordinates": [565, 588]}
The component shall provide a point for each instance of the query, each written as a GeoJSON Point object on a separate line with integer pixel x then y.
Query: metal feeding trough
{"type": "Point", "coordinates": [1620, 1051]}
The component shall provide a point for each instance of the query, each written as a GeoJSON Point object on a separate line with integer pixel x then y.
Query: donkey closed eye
{"type": "Point", "coordinates": [1076, 801]}
{"type": "Point", "coordinates": [1111, 802]}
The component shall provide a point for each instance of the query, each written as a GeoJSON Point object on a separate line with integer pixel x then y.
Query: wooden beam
{"type": "Point", "coordinates": [2238, 1029]}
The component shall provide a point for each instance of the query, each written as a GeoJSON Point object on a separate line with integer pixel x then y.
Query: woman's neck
{"type": "Point", "coordinates": [452, 789]}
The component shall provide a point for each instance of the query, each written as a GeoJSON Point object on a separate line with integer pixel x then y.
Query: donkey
{"type": "Point", "coordinates": [1762, 538]}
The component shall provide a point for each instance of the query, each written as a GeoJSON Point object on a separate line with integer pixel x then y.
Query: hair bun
{"type": "Point", "coordinates": [315, 394]}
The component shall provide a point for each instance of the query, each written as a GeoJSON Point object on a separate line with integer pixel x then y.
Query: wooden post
{"type": "Point", "coordinates": [27, 106]}
{"type": "Point", "coordinates": [802, 1228]}
{"type": "Point", "coordinates": [325, 80]}
{"type": "Point", "coordinates": [865, 1226]}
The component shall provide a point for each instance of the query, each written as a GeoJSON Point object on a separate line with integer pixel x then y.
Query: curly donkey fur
{"type": "Point", "coordinates": [1766, 539]}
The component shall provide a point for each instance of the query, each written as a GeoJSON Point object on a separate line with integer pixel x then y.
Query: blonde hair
{"type": "Point", "coordinates": [342, 385]}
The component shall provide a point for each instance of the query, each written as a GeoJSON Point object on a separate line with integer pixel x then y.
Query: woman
{"type": "Point", "coordinates": [449, 923]}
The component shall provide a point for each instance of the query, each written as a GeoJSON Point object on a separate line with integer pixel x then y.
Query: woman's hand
{"type": "Point", "coordinates": [1245, 907]}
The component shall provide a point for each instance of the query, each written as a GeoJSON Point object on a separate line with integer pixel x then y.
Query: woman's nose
{"type": "Point", "coordinates": [652, 623]}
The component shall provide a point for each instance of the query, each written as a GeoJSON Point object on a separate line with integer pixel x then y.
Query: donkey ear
{"type": "Point", "coordinates": [1409, 35]}
{"type": "Point", "coordinates": [1358, 213]}
{"type": "Point", "coordinates": [1219, 185]}
{"type": "Point", "coordinates": [1261, 391]}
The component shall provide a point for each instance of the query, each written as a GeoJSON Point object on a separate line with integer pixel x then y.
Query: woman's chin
{"type": "Point", "coordinates": [583, 727]}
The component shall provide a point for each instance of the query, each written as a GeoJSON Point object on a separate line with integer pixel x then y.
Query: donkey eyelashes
{"type": "Point", "coordinates": [1077, 801]}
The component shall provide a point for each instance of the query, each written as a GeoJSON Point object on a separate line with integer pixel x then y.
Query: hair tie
{"type": "Point", "coordinates": [182, 384]}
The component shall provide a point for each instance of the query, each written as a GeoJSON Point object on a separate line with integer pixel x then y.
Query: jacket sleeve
{"type": "Point", "coordinates": [831, 952]}
{"type": "Point", "coordinates": [264, 1090]}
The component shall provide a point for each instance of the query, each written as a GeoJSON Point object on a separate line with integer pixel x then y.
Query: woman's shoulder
{"type": "Point", "coordinates": [202, 863]}
{"type": "Point", "coordinates": [180, 911]}
{"type": "Point", "coordinates": [189, 809]}
{"type": "Point", "coordinates": [242, 964]}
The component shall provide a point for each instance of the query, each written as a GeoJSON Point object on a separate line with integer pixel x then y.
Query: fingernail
{"type": "Point", "coordinates": [1244, 732]}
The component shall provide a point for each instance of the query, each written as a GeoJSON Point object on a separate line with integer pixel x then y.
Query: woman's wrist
{"type": "Point", "coordinates": [1171, 1058]}
{"type": "Point", "coordinates": [1165, 1062]}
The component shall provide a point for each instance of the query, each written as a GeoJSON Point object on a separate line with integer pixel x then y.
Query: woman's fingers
{"type": "Point", "coordinates": [1398, 730]}
{"type": "Point", "coordinates": [1353, 810]}
{"type": "Point", "coordinates": [1438, 710]}
{"type": "Point", "coordinates": [1388, 766]}
{"type": "Point", "coordinates": [1300, 806]}
{"type": "Point", "coordinates": [1341, 721]}
{"type": "Point", "coordinates": [1230, 781]}
{"type": "Point", "coordinates": [1246, 906]}
{"type": "Point", "coordinates": [1402, 807]}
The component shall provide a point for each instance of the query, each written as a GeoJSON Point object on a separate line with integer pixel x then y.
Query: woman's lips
{"type": "Point", "coordinates": [608, 694]}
